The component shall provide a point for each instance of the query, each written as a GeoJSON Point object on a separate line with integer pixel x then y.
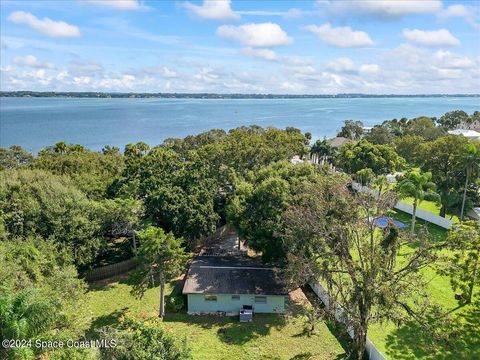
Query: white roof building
{"type": "Point", "coordinates": [471, 134]}
{"type": "Point", "coordinates": [296, 160]}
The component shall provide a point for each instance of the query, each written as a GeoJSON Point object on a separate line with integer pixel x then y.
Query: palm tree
{"type": "Point", "coordinates": [322, 150]}
{"type": "Point", "coordinates": [60, 147]}
{"type": "Point", "coordinates": [419, 186]}
{"type": "Point", "coordinates": [470, 159]}
{"type": "Point", "coordinates": [25, 315]}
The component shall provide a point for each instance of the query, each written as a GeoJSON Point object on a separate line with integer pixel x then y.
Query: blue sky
{"type": "Point", "coordinates": [312, 47]}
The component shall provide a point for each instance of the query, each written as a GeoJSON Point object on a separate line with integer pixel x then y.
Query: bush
{"type": "Point", "coordinates": [175, 302]}
{"type": "Point", "coordinates": [142, 340]}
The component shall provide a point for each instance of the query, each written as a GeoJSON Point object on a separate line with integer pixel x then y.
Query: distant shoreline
{"type": "Point", "coordinates": [109, 95]}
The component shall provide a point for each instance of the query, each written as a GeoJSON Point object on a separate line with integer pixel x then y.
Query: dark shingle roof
{"type": "Point", "coordinates": [215, 275]}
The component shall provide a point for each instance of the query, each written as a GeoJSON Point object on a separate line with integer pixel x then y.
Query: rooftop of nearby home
{"type": "Point", "coordinates": [232, 275]}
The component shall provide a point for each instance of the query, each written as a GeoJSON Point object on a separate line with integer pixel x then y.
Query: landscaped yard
{"type": "Point", "coordinates": [215, 337]}
{"type": "Point", "coordinates": [411, 342]}
{"type": "Point", "coordinates": [279, 337]}
{"type": "Point", "coordinates": [431, 207]}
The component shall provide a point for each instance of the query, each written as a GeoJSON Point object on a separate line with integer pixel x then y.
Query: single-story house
{"type": "Point", "coordinates": [227, 284]}
{"type": "Point", "coordinates": [470, 134]}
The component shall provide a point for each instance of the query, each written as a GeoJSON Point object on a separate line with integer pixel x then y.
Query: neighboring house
{"type": "Point", "coordinates": [475, 214]}
{"type": "Point", "coordinates": [225, 284]}
{"type": "Point", "coordinates": [470, 134]}
{"type": "Point", "coordinates": [338, 141]}
{"type": "Point", "coordinates": [296, 160]}
{"type": "Point", "coordinates": [367, 130]}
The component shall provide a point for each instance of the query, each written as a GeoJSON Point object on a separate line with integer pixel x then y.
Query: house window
{"type": "Point", "coordinates": [260, 299]}
{"type": "Point", "coordinates": [211, 298]}
{"type": "Point", "coordinates": [236, 297]}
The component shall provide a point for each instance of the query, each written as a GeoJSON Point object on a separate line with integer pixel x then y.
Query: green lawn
{"type": "Point", "coordinates": [432, 207]}
{"type": "Point", "coordinates": [411, 342]}
{"type": "Point", "coordinates": [214, 337]}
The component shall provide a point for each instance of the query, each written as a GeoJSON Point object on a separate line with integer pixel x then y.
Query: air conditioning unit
{"type": "Point", "coordinates": [246, 313]}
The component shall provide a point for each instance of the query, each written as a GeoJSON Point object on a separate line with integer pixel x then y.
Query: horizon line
{"type": "Point", "coordinates": [231, 94]}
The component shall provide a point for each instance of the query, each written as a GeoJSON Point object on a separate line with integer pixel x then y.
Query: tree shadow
{"type": "Point", "coordinates": [338, 330]}
{"type": "Point", "coordinates": [105, 320]}
{"type": "Point", "coordinates": [459, 338]}
{"type": "Point", "coordinates": [237, 333]}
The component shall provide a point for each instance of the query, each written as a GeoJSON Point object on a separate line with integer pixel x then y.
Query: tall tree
{"type": "Point", "coordinates": [331, 237]}
{"type": "Point", "coordinates": [160, 256]}
{"type": "Point", "coordinates": [463, 266]}
{"type": "Point", "coordinates": [381, 159]}
{"type": "Point", "coordinates": [256, 210]}
{"type": "Point", "coordinates": [441, 158]}
{"type": "Point", "coordinates": [14, 157]}
{"type": "Point", "coordinates": [380, 134]}
{"type": "Point", "coordinates": [454, 119]}
{"type": "Point", "coordinates": [322, 150]}
{"type": "Point", "coordinates": [36, 202]}
{"type": "Point", "coordinates": [419, 186]}
{"type": "Point", "coordinates": [470, 159]}
{"type": "Point", "coordinates": [351, 130]}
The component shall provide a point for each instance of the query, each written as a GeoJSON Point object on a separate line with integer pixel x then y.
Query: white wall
{"type": "Point", "coordinates": [197, 304]}
{"type": "Point", "coordinates": [373, 352]}
{"type": "Point", "coordinates": [425, 215]}
{"type": "Point", "coordinates": [421, 214]}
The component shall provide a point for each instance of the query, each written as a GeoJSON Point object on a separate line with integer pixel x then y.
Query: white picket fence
{"type": "Point", "coordinates": [400, 205]}
{"type": "Point", "coordinates": [373, 352]}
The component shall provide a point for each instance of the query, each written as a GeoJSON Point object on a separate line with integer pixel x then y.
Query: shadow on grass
{"type": "Point", "coordinates": [238, 333]}
{"type": "Point", "coordinates": [230, 330]}
{"type": "Point", "coordinates": [105, 320]}
{"type": "Point", "coordinates": [338, 330]}
{"type": "Point", "coordinates": [460, 338]}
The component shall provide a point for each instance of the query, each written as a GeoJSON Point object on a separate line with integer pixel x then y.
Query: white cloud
{"type": "Point", "coordinates": [447, 60]}
{"type": "Point", "coordinates": [343, 37]}
{"type": "Point", "coordinates": [294, 87]}
{"type": "Point", "coordinates": [169, 73]}
{"type": "Point", "coordinates": [409, 69]}
{"type": "Point", "coordinates": [255, 35]}
{"type": "Point", "coordinates": [469, 14]}
{"type": "Point", "coordinates": [266, 54]}
{"type": "Point", "coordinates": [85, 68]}
{"type": "Point", "coordinates": [292, 13]}
{"type": "Point", "coordinates": [441, 37]}
{"type": "Point", "coordinates": [382, 8]}
{"type": "Point", "coordinates": [31, 61]}
{"type": "Point", "coordinates": [213, 10]}
{"type": "Point", "coordinates": [46, 26]}
{"type": "Point", "coordinates": [343, 64]}
{"type": "Point", "coordinates": [369, 69]}
{"type": "Point", "coordinates": [28, 60]}
{"type": "Point", "coordinates": [127, 5]}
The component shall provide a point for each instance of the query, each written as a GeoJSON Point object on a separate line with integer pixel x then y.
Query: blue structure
{"type": "Point", "coordinates": [382, 222]}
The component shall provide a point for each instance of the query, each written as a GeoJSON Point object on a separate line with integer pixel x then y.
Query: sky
{"type": "Point", "coordinates": [221, 46]}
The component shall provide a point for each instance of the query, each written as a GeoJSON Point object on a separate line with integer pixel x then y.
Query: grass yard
{"type": "Point", "coordinates": [411, 342]}
{"type": "Point", "coordinates": [215, 337]}
{"type": "Point", "coordinates": [431, 207]}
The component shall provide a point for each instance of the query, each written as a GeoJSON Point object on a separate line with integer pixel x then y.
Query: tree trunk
{"type": "Point", "coordinates": [134, 243]}
{"type": "Point", "coordinates": [414, 214]}
{"type": "Point", "coordinates": [473, 280]}
{"type": "Point", "coordinates": [161, 312]}
{"type": "Point", "coordinates": [360, 342]}
{"type": "Point", "coordinates": [464, 196]}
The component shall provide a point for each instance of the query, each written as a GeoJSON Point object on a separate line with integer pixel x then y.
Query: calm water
{"type": "Point", "coordinates": [35, 123]}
